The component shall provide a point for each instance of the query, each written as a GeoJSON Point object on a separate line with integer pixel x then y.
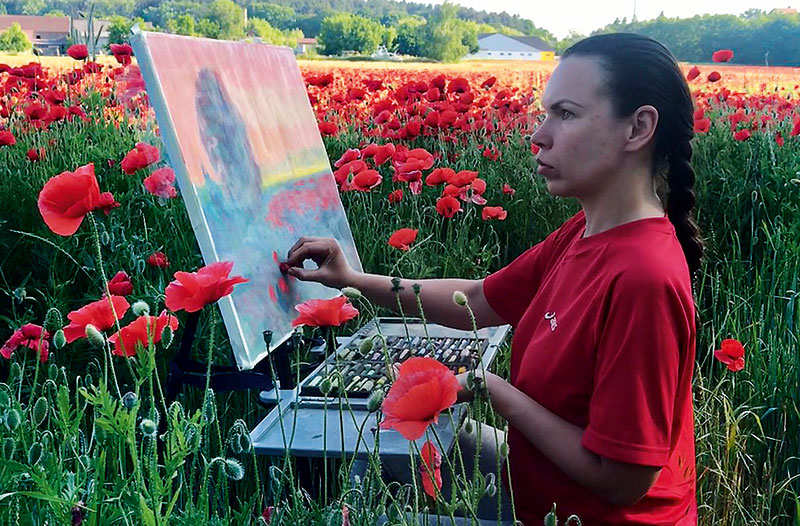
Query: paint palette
{"type": "Point", "coordinates": [356, 374]}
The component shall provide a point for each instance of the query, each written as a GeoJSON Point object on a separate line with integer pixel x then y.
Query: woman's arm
{"type": "Point", "coordinates": [619, 483]}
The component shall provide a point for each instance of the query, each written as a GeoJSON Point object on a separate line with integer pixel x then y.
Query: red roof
{"type": "Point", "coordinates": [39, 24]}
{"type": "Point", "coordinates": [307, 41]}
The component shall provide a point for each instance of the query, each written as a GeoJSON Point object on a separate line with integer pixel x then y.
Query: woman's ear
{"type": "Point", "coordinates": [643, 124]}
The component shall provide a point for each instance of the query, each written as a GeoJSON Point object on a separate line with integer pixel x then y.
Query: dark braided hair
{"type": "Point", "coordinates": [641, 71]}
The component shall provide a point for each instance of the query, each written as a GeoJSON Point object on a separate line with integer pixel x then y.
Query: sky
{"type": "Point", "coordinates": [584, 16]}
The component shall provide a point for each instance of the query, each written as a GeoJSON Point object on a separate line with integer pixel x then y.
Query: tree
{"type": "Point", "coordinates": [120, 29]}
{"type": "Point", "coordinates": [409, 35]}
{"type": "Point", "coordinates": [445, 37]}
{"type": "Point", "coordinates": [181, 25]}
{"type": "Point", "coordinates": [278, 16]}
{"type": "Point", "coordinates": [272, 35]}
{"type": "Point", "coordinates": [341, 32]}
{"type": "Point", "coordinates": [228, 17]}
{"type": "Point", "coordinates": [389, 37]}
{"type": "Point", "coordinates": [14, 40]}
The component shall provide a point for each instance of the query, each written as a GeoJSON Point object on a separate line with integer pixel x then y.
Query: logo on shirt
{"type": "Point", "coordinates": [551, 316]}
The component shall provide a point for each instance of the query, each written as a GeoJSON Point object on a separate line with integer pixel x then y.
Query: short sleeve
{"type": "Point", "coordinates": [641, 354]}
{"type": "Point", "coordinates": [510, 290]}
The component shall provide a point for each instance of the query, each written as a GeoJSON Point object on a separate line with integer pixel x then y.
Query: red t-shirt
{"type": "Point", "coordinates": [604, 338]}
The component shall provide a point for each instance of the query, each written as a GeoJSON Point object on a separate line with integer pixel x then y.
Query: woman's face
{"type": "Point", "coordinates": [581, 141]}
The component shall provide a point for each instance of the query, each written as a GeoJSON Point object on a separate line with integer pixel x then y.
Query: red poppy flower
{"type": "Point", "coordinates": [366, 180]}
{"type": "Point", "coordinates": [430, 468]}
{"type": "Point", "coordinates": [31, 336]}
{"type": "Point", "coordinates": [160, 183]}
{"type": "Point", "coordinates": [369, 150]}
{"type": "Point", "coordinates": [158, 259]}
{"type": "Point", "coordinates": [731, 354]}
{"type": "Point", "coordinates": [423, 389]}
{"type": "Point", "coordinates": [97, 313]}
{"type": "Point", "coordinates": [328, 128]}
{"type": "Point", "coordinates": [7, 138]}
{"type": "Point", "coordinates": [778, 139]}
{"type": "Point", "coordinates": [439, 176]}
{"type": "Point", "coordinates": [120, 284]}
{"type": "Point", "coordinates": [69, 196]}
{"type": "Point", "coordinates": [493, 212]}
{"type": "Point", "coordinates": [714, 76]}
{"type": "Point", "coordinates": [350, 155]}
{"type": "Point", "coordinates": [35, 154]}
{"type": "Point", "coordinates": [191, 291]}
{"type": "Point", "coordinates": [324, 313]}
{"type": "Point", "coordinates": [795, 129]}
{"type": "Point", "coordinates": [78, 51]}
{"type": "Point", "coordinates": [535, 149]}
{"type": "Point", "coordinates": [458, 85]}
{"type": "Point", "coordinates": [140, 157]}
{"type": "Point", "coordinates": [401, 239]}
{"type": "Point", "coordinates": [140, 331]}
{"type": "Point", "coordinates": [507, 190]}
{"type": "Point", "coordinates": [722, 55]}
{"type": "Point", "coordinates": [741, 135]}
{"type": "Point", "coordinates": [693, 73]}
{"type": "Point", "coordinates": [463, 178]}
{"type": "Point", "coordinates": [384, 153]}
{"type": "Point", "coordinates": [395, 196]}
{"type": "Point", "coordinates": [702, 125]}
{"type": "Point", "coordinates": [488, 83]}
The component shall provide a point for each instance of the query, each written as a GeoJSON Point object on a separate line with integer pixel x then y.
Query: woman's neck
{"type": "Point", "coordinates": [632, 200]}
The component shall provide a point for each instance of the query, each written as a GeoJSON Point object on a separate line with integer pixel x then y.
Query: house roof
{"type": "Point", "coordinates": [307, 41]}
{"type": "Point", "coordinates": [42, 24]}
{"type": "Point", "coordinates": [534, 42]}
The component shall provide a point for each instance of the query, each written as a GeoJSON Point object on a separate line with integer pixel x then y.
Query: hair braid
{"type": "Point", "coordinates": [680, 204]}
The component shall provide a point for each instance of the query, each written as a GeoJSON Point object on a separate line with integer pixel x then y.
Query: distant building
{"type": "Point", "coordinates": [784, 11]}
{"type": "Point", "coordinates": [50, 34]}
{"type": "Point", "coordinates": [304, 45]}
{"type": "Point", "coordinates": [497, 46]}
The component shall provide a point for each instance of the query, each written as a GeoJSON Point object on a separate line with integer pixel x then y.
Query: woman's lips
{"type": "Point", "coordinates": [544, 168]}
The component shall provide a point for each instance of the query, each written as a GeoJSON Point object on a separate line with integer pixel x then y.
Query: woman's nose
{"type": "Point", "coordinates": [541, 136]}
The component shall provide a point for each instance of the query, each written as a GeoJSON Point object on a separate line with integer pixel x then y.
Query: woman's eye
{"type": "Point", "coordinates": [565, 114]}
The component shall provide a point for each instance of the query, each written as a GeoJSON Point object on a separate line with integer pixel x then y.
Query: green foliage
{"type": "Point", "coordinates": [271, 35]}
{"type": "Point", "coordinates": [278, 16]}
{"type": "Point", "coordinates": [181, 25]}
{"type": "Point", "coordinates": [446, 38]}
{"type": "Point", "coordinates": [14, 39]}
{"type": "Point", "coordinates": [345, 32]}
{"type": "Point", "coordinates": [409, 35]}
{"type": "Point", "coordinates": [228, 18]}
{"type": "Point", "coordinates": [120, 30]}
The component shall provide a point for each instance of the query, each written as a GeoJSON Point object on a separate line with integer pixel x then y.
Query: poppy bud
{"type": "Point", "coordinates": [141, 308]}
{"type": "Point", "coordinates": [234, 469]}
{"type": "Point", "coordinates": [9, 446]}
{"type": "Point", "coordinates": [550, 519]}
{"type": "Point", "coordinates": [88, 380]}
{"type": "Point", "coordinates": [13, 419]}
{"type": "Point", "coordinates": [210, 407]}
{"type": "Point", "coordinates": [148, 427]}
{"type": "Point", "coordinates": [39, 411]}
{"type": "Point", "coordinates": [129, 400]}
{"type": "Point", "coordinates": [166, 336]}
{"type": "Point", "coordinates": [491, 490]}
{"type": "Point", "coordinates": [374, 401]}
{"type": "Point", "coordinates": [365, 346]}
{"type": "Point", "coordinates": [105, 239]}
{"type": "Point", "coordinates": [59, 340]}
{"type": "Point", "coordinates": [53, 320]}
{"type": "Point", "coordinates": [396, 285]}
{"type": "Point", "coordinates": [14, 373]}
{"type": "Point", "coordinates": [351, 293]}
{"type": "Point", "coordinates": [490, 479]}
{"type": "Point", "coordinates": [95, 337]}
{"type": "Point", "coordinates": [459, 298]}
{"type": "Point", "coordinates": [35, 453]}
{"type": "Point", "coordinates": [416, 287]}
{"type": "Point", "coordinates": [245, 442]}
{"type": "Point", "coordinates": [5, 400]}
{"type": "Point", "coordinates": [234, 444]}
{"type": "Point", "coordinates": [325, 386]}
{"type": "Point", "coordinates": [468, 426]}
{"type": "Point", "coordinates": [503, 450]}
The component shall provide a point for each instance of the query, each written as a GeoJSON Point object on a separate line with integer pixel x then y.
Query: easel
{"type": "Point", "coordinates": [185, 371]}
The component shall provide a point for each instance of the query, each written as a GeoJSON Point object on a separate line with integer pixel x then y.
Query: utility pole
{"type": "Point", "coordinates": [634, 11]}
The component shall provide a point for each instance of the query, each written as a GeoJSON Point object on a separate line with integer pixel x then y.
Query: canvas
{"type": "Point", "coordinates": [251, 166]}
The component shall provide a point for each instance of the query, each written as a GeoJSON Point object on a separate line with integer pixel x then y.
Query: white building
{"type": "Point", "coordinates": [497, 46]}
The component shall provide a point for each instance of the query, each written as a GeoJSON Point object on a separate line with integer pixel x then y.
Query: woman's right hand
{"type": "Point", "coordinates": [334, 270]}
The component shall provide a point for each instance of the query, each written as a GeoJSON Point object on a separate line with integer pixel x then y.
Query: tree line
{"type": "Point", "coordinates": [445, 32]}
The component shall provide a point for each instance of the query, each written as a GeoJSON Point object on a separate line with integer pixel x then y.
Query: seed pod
{"type": "Point", "coordinates": [459, 298]}
{"type": "Point", "coordinates": [416, 287]}
{"type": "Point", "coordinates": [166, 336]}
{"type": "Point", "coordinates": [234, 469]}
{"type": "Point", "coordinates": [39, 411]}
{"type": "Point", "coordinates": [129, 400]}
{"type": "Point", "coordinates": [9, 447]}
{"type": "Point", "coordinates": [148, 427]}
{"type": "Point", "coordinates": [13, 419]}
{"type": "Point", "coordinates": [375, 400]}
{"type": "Point", "coordinates": [5, 400]}
{"type": "Point", "coordinates": [35, 453]}
{"type": "Point", "coordinates": [140, 308]}
{"type": "Point", "coordinates": [95, 337]}
{"type": "Point", "coordinates": [351, 293]}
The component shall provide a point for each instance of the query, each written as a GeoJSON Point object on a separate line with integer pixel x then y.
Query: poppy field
{"type": "Point", "coordinates": [100, 274]}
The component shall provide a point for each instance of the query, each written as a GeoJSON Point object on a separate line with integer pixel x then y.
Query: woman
{"type": "Point", "coordinates": [599, 403]}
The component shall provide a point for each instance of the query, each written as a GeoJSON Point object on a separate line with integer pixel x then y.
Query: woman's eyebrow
{"type": "Point", "coordinates": [558, 104]}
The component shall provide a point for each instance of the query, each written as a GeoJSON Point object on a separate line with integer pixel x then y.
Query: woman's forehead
{"type": "Point", "coordinates": [577, 79]}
